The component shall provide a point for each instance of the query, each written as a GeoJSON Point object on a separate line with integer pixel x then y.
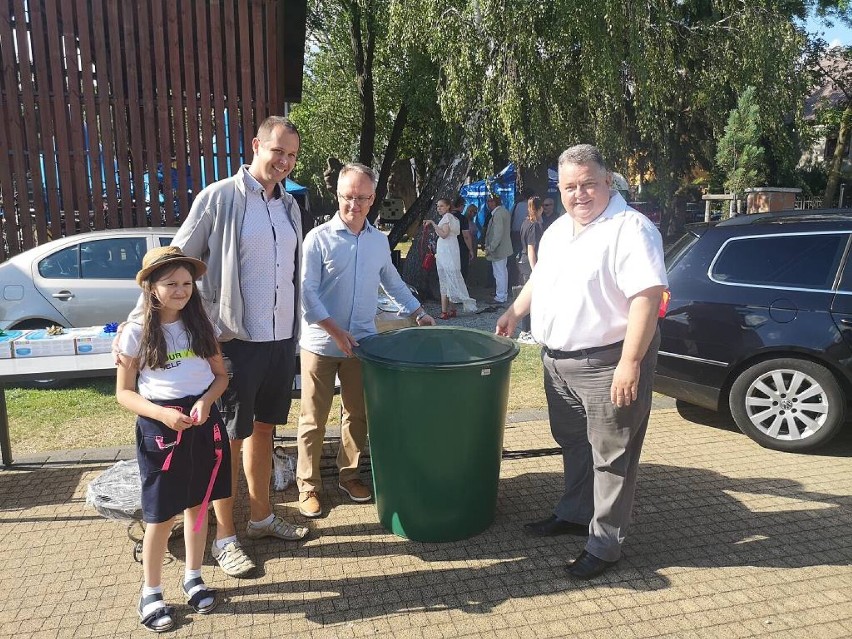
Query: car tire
{"type": "Point", "coordinates": [788, 404]}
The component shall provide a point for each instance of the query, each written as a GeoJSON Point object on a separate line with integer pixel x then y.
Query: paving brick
{"type": "Point", "coordinates": [729, 540]}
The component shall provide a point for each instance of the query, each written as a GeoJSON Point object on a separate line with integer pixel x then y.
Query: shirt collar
{"type": "Point", "coordinates": [338, 224]}
{"type": "Point", "coordinates": [256, 187]}
{"type": "Point", "coordinates": [615, 206]}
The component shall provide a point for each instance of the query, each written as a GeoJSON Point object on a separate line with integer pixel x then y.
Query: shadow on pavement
{"type": "Point", "coordinates": [685, 517]}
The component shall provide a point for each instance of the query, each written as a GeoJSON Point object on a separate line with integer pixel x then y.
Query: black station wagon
{"type": "Point", "coordinates": [759, 321]}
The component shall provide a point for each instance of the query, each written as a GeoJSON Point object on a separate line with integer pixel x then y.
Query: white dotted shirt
{"type": "Point", "coordinates": [268, 264]}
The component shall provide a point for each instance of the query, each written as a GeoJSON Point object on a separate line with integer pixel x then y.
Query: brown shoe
{"type": "Point", "coordinates": [309, 504]}
{"type": "Point", "coordinates": [356, 489]}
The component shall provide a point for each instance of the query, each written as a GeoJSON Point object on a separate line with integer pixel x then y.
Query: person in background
{"type": "Point", "coordinates": [498, 246]}
{"type": "Point", "coordinates": [465, 239]}
{"type": "Point", "coordinates": [453, 288]}
{"type": "Point", "coordinates": [531, 231]}
{"type": "Point", "coordinates": [548, 213]}
{"type": "Point", "coordinates": [345, 261]}
{"type": "Point", "coordinates": [594, 294]}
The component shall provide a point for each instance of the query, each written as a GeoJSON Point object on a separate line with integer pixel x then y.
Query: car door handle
{"type": "Point", "coordinates": [846, 321]}
{"type": "Point", "coordinates": [63, 295]}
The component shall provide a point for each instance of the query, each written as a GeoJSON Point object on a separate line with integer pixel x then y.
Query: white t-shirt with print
{"type": "Point", "coordinates": [184, 373]}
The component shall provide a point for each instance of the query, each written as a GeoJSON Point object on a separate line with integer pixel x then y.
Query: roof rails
{"type": "Point", "coordinates": [790, 215]}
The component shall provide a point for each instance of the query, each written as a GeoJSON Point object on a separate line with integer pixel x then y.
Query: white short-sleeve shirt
{"type": "Point", "coordinates": [185, 374]}
{"type": "Point", "coordinates": [582, 284]}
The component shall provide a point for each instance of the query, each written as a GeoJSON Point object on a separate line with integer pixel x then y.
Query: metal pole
{"type": "Point", "coordinates": [5, 442]}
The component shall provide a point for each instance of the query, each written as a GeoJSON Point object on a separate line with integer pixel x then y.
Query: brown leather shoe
{"type": "Point", "coordinates": [357, 490]}
{"type": "Point", "coordinates": [309, 504]}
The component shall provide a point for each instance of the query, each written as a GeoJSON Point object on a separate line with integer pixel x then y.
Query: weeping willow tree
{"type": "Point", "coordinates": [651, 83]}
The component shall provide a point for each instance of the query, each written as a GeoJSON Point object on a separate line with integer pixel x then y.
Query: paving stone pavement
{"type": "Point", "coordinates": [729, 540]}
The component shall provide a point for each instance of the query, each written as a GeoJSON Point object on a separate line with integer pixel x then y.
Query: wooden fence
{"type": "Point", "coordinates": [114, 113]}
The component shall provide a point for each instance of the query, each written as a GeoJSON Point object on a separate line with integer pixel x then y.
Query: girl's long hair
{"type": "Point", "coordinates": [202, 338]}
{"type": "Point", "coordinates": [534, 208]}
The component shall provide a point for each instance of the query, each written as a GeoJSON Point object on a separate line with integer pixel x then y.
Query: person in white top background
{"type": "Point", "coordinates": [448, 261]}
{"type": "Point", "coordinates": [594, 297]}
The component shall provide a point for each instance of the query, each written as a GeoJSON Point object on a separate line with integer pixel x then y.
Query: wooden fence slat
{"type": "Point", "coordinates": [45, 152]}
{"type": "Point", "coordinates": [106, 150]}
{"type": "Point", "coordinates": [118, 91]}
{"type": "Point", "coordinates": [7, 186]}
{"type": "Point", "coordinates": [78, 156]}
{"type": "Point", "coordinates": [244, 64]}
{"type": "Point", "coordinates": [258, 19]}
{"type": "Point", "coordinates": [204, 89]}
{"type": "Point", "coordinates": [232, 73]}
{"type": "Point", "coordinates": [148, 104]}
{"type": "Point", "coordinates": [135, 121]}
{"type": "Point", "coordinates": [60, 118]}
{"type": "Point", "coordinates": [37, 202]}
{"type": "Point", "coordinates": [92, 130]}
{"type": "Point", "coordinates": [8, 223]}
{"type": "Point", "coordinates": [216, 63]}
{"type": "Point", "coordinates": [14, 121]}
{"type": "Point", "coordinates": [175, 86]}
{"type": "Point", "coordinates": [163, 110]}
{"type": "Point", "coordinates": [273, 80]}
{"type": "Point", "coordinates": [193, 128]}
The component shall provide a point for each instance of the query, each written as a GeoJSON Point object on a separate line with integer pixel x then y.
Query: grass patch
{"type": "Point", "coordinates": [85, 414]}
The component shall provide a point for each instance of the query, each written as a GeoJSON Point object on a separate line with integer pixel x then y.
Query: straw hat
{"type": "Point", "coordinates": [156, 257]}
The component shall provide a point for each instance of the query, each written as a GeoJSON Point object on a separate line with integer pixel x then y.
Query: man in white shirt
{"type": "Point", "coordinates": [594, 296]}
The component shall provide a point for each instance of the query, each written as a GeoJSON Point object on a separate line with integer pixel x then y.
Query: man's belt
{"type": "Point", "coordinates": [583, 352]}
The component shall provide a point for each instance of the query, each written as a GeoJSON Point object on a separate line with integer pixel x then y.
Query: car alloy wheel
{"type": "Point", "coordinates": [788, 404]}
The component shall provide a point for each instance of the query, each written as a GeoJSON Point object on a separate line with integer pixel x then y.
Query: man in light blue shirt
{"type": "Point", "coordinates": [343, 263]}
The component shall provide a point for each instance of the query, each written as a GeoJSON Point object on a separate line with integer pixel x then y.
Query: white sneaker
{"type": "Point", "coordinates": [232, 559]}
{"type": "Point", "coordinates": [526, 338]}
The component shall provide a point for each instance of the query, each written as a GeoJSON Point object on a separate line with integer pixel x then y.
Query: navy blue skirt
{"type": "Point", "coordinates": [183, 484]}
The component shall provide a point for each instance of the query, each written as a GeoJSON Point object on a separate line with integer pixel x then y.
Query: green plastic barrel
{"type": "Point", "coordinates": [436, 407]}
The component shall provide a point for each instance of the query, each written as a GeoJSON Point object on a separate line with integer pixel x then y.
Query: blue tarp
{"type": "Point", "coordinates": [502, 184]}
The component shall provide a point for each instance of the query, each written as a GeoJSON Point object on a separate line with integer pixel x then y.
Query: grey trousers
{"type": "Point", "coordinates": [600, 442]}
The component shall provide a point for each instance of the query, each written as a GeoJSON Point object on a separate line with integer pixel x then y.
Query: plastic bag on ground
{"type": "Point", "coordinates": [117, 492]}
{"type": "Point", "coordinates": [283, 469]}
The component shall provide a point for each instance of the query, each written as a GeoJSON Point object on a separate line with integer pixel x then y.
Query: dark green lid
{"type": "Point", "coordinates": [434, 347]}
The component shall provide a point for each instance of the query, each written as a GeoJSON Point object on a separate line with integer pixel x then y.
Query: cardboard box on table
{"type": "Point", "coordinates": [38, 343]}
{"type": "Point", "coordinates": [90, 341]}
{"type": "Point", "coordinates": [6, 340]}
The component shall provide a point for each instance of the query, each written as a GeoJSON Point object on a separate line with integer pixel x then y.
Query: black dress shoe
{"type": "Point", "coordinates": [587, 566]}
{"type": "Point", "coordinates": [553, 526]}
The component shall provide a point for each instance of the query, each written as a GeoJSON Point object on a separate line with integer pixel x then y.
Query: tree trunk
{"type": "Point", "coordinates": [444, 181]}
{"type": "Point", "coordinates": [837, 158]}
{"type": "Point", "coordinates": [364, 77]}
{"type": "Point", "coordinates": [387, 161]}
{"type": "Point", "coordinates": [533, 180]}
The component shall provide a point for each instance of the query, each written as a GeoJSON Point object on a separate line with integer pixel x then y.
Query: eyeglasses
{"type": "Point", "coordinates": [356, 199]}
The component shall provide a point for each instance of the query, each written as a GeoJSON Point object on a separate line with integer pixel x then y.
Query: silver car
{"type": "Point", "coordinates": [81, 280]}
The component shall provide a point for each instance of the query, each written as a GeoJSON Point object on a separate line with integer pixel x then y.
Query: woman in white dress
{"type": "Point", "coordinates": [447, 259]}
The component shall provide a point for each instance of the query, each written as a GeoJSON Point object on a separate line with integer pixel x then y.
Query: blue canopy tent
{"type": "Point", "coordinates": [502, 184]}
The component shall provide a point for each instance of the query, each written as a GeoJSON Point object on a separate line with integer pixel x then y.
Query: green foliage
{"type": "Point", "coordinates": [651, 83]}
{"type": "Point", "coordinates": [740, 154]}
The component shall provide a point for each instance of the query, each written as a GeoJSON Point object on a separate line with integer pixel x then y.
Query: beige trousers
{"type": "Point", "coordinates": [318, 372]}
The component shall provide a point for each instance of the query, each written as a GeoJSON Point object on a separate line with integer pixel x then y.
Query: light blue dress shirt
{"type": "Point", "coordinates": [341, 273]}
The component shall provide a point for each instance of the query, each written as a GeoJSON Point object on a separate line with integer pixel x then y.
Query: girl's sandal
{"type": "Point", "coordinates": [164, 613]}
{"type": "Point", "coordinates": [201, 592]}
{"type": "Point", "coordinates": [444, 316]}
